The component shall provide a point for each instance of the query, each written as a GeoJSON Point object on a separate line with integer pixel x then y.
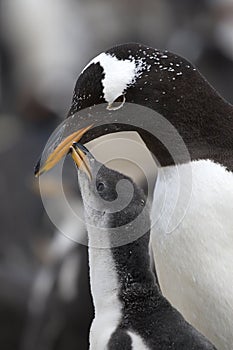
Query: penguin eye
{"type": "Point", "coordinates": [100, 186]}
{"type": "Point", "coordinates": [117, 103]}
{"type": "Point", "coordinates": [120, 99]}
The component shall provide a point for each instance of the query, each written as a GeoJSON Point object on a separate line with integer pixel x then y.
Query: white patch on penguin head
{"type": "Point", "coordinates": [118, 74]}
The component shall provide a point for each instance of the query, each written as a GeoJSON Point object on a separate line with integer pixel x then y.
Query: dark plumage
{"type": "Point", "coordinates": [173, 87]}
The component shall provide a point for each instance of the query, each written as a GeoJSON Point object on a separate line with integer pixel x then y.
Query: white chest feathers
{"type": "Point", "coordinates": [194, 255]}
{"type": "Point", "coordinates": [104, 289]}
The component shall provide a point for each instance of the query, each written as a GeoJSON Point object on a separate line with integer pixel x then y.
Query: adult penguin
{"type": "Point", "coordinates": [198, 254]}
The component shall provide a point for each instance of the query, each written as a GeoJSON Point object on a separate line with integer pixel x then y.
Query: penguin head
{"type": "Point", "coordinates": [132, 73]}
{"type": "Point", "coordinates": [111, 199]}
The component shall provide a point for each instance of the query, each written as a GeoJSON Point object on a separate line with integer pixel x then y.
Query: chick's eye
{"type": "Point", "coordinates": [100, 187]}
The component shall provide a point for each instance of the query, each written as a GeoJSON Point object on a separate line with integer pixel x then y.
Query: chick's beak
{"type": "Point", "coordinates": [60, 151]}
{"type": "Point", "coordinates": [80, 159]}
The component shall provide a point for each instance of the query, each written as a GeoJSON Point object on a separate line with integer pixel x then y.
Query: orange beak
{"type": "Point", "coordinates": [61, 150]}
{"type": "Point", "coordinates": [80, 160]}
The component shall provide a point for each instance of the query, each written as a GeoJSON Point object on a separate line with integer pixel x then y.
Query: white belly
{"type": "Point", "coordinates": [104, 289]}
{"type": "Point", "coordinates": [194, 255]}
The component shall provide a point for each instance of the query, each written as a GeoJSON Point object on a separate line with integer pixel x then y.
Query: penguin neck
{"type": "Point", "coordinates": [133, 267]}
{"type": "Point", "coordinates": [202, 117]}
{"type": "Point", "coordinates": [103, 279]}
{"type": "Point", "coordinates": [119, 272]}
{"type": "Point", "coordinates": [205, 122]}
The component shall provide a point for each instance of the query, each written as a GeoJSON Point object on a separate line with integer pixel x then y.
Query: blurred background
{"type": "Point", "coordinates": [45, 300]}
